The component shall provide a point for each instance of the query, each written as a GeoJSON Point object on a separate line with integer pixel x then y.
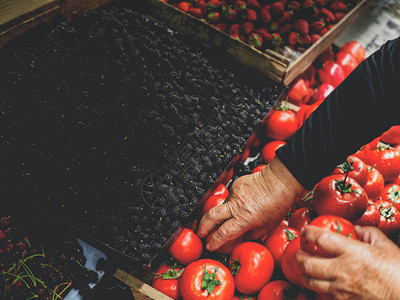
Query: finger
{"type": "Point", "coordinates": [370, 235]}
{"type": "Point", "coordinates": [215, 216]}
{"type": "Point", "coordinates": [315, 267]}
{"type": "Point", "coordinates": [317, 285]}
{"type": "Point", "coordinates": [331, 242]}
{"type": "Point", "coordinates": [227, 231]}
{"type": "Point", "coordinates": [256, 233]}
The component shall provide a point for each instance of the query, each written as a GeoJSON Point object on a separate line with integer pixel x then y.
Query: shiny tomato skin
{"type": "Point", "coordinates": [391, 192]}
{"type": "Point", "coordinates": [221, 190]}
{"type": "Point", "coordinates": [281, 125]}
{"type": "Point", "coordinates": [268, 151]}
{"type": "Point", "coordinates": [213, 201]}
{"type": "Point", "coordinates": [333, 223]}
{"type": "Point", "coordinates": [331, 73]}
{"type": "Point", "coordinates": [244, 297]}
{"type": "Point", "coordinates": [298, 91]}
{"type": "Point", "coordinates": [169, 287]}
{"type": "Point", "coordinates": [229, 246]}
{"type": "Point", "coordinates": [321, 93]}
{"type": "Point", "coordinates": [277, 240]}
{"type": "Point", "coordinates": [355, 49]}
{"type": "Point", "coordinates": [375, 184]}
{"type": "Point", "coordinates": [289, 265]}
{"type": "Point", "coordinates": [300, 114]}
{"type": "Point", "coordinates": [328, 200]}
{"type": "Point", "coordinates": [391, 136]}
{"type": "Point", "coordinates": [275, 290]}
{"type": "Point", "coordinates": [359, 172]}
{"type": "Point", "coordinates": [300, 218]}
{"type": "Point", "coordinates": [347, 61]}
{"type": "Point", "coordinates": [390, 218]}
{"type": "Point", "coordinates": [258, 169]}
{"type": "Point", "coordinates": [387, 161]}
{"type": "Point", "coordinates": [187, 247]}
{"type": "Point", "coordinates": [190, 284]}
{"type": "Point", "coordinates": [371, 217]}
{"type": "Point", "coordinates": [363, 152]}
{"type": "Point", "coordinates": [256, 267]}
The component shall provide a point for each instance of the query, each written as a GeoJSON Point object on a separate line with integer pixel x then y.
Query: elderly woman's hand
{"type": "Point", "coordinates": [364, 269]}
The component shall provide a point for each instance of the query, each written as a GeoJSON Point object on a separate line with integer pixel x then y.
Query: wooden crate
{"type": "Point", "coordinates": [269, 63]}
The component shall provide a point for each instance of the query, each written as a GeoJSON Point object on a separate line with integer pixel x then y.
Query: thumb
{"type": "Point", "coordinates": [370, 235]}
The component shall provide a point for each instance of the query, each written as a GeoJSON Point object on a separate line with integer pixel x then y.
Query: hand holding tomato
{"type": "Point", "coordinates": [364, 269]}
{"type": "Point", "coordinates": [257, 202]}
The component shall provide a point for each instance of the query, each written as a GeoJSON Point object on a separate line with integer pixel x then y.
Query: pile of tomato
{"type": "Point", "coordinates": [363, 190]}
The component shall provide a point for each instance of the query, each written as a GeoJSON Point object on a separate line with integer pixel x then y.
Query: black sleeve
{"type": "Point", "coordinates": [361, 108]}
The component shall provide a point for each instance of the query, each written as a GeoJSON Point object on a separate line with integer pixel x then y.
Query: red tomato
{"type": "Point", "coordinates": [300, 218]}
{"type": "Point", "coordinates": [386, 160]}
{"type": "Point", "coordinates": [390, 219]}
{"type": "Point", "coordinates": [392, 136]}
{"type": "Point", "coordinates": [187, 247]}
{"type": "Point", "coordinates": [357, 170]}
{"type": "Point", "coordinates": [244, 297]}
{"type": "Point", "coordinates": [375, 184]}
{"type": "Point", "coordinates": [213, 201]}
{"type": "Point", "coordinates": [363, 152]}
{"type": "Point", "coordinates": [258, 169]}
{"type": "Point", "coordinates": [321, 93]}
{"type": "Point", "coordinates": [371, 217]}
{"type": "Point", "coordinates": [355, 49]}
{"type": "Point", "coordinates": [268, 151]}
{"type": "Point", "coordinates": [280, 290]}
{"type": "Point", "coordinates": [306, 199]}
{"type": "Point", "coordinates": [281, 124]}
{"type": "Point", "coordinates": [397, 180]}
{"type": "Point", "coordinates": [391, 192]}
{"type": "Point", "coordinates": [229, 246]}
{"type": "Point", "coordinates": [347, 61]}
{"type": "Point", "coordinates": [298, 92]}
{"type": "Point", "coordinates": [277, 240]}
{"type": "Point", "coordinates": [336, 195]}
{"type": "Point", "coordinates": [206, 279]}
{"type": "Point", "coordinates": [311, 109]}
{"type": "Point", "coordinates": [221, 190]}
{"type": "Point", "coordinates": [289, 265]}
{"type": "Point", "coordinates": [300, 114]}
{"type": "Point", "coordinates": [333, 223]}
{"type": "Point", "coordinates": [166, 281]}
{"type": "Point", "coordinates": [331, 73]}
{"type": "Point", "coordinates": [252, 266]}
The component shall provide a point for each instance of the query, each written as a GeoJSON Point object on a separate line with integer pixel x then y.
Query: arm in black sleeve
{"type": "Point", "coordinates": [361, 108]}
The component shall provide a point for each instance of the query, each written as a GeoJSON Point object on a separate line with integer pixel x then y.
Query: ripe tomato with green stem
{"type": "Point", "coordinates": [206, 279]}
{"type": "Point", "coordinates": [187, 247]}
{"type": "Point", "coordinates": [280, 290]}
{"type": "Point", "coordinates": [371, 217]}
{"type": "Point", "coordinates": [277, 240]}
{"type": "Point", "coordinates": [252, 266]}
{"type": "Point", "coordinates": [391, 192]}
{"type": "Point", "coordinates": [166, 280]}
{"type": "Point", "coordinates": [333, 223]}
{"type": "Point", "coordinates": [356, 168]}
{"type": "Point", "coordinates": [281, 124]}
{"type": "Point", "coordinates": [290, 269]}
{"type": "Point", "coordinates": [389, 221]}
{"type": "Point", "coordinates": [386, 159]}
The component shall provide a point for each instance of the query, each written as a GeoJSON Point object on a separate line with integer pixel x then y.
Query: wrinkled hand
{"type": "Point", "coordinates": [364, 269]}
{"type": "Point", "coordinates": [256, 202]}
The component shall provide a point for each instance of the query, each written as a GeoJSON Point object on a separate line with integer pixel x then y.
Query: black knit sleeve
{"type": "Point", "coordinates": [361, 108]}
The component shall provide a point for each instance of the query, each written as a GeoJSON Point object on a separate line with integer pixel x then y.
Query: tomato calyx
{"type": "Point", "coordinates": [386, 212]}
{"type": "Point", "coordinates": [290, 235]}
{"type": "Point", "coordinates": [342, 187]}
{"type": "Point", "coordinates": [394, 195]}
{"type": "Point", "coordinates": [171, 273]}
{"type": "Point", "coordinates": [292, 292]}
{"type": "Point", "coordinates": [209, 281]}
{"type": "Point", "coordinates": [347, 166]}
{"type": "Point", "coordinates": [283, 107]}
{"type": "Point", "coordinates": [370, 169]}
{"type": "Point", "coordinates": [381, 147]}
{"type": "Point", "coordinates": [235, 265]}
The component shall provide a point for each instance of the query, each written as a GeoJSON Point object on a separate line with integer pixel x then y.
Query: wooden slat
{"type": "Point", "coordinates": [140, 290]}
{"type": "Point", "coordinates": [302, 63]}
{"type": "Point", "coordinates": [12, 9]}
{"type": "Point", "coordinates": [272, 65]}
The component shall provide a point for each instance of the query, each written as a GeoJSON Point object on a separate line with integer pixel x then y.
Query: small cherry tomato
{"type": "Point", "coordinates": [187, 247]}
{"type": "Point", "coordinates": [289, 265]}
{"type": "Point", "coordinates": [277, 240]}
{"type": "Point", "coordinates": [206, 279]}
{"type": "Point", "coordinates": [280, 290]}
{"type": "Point", "coordinates": [340, 196]}
{"type": "Point", "coordinates": [252, 266]}
{"type": "Point", "coordinates": [333, 223]}
{"type": "Point", "coordinates": [268, 151]}
{"type": "Point", "coordinates": [166, 281]}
